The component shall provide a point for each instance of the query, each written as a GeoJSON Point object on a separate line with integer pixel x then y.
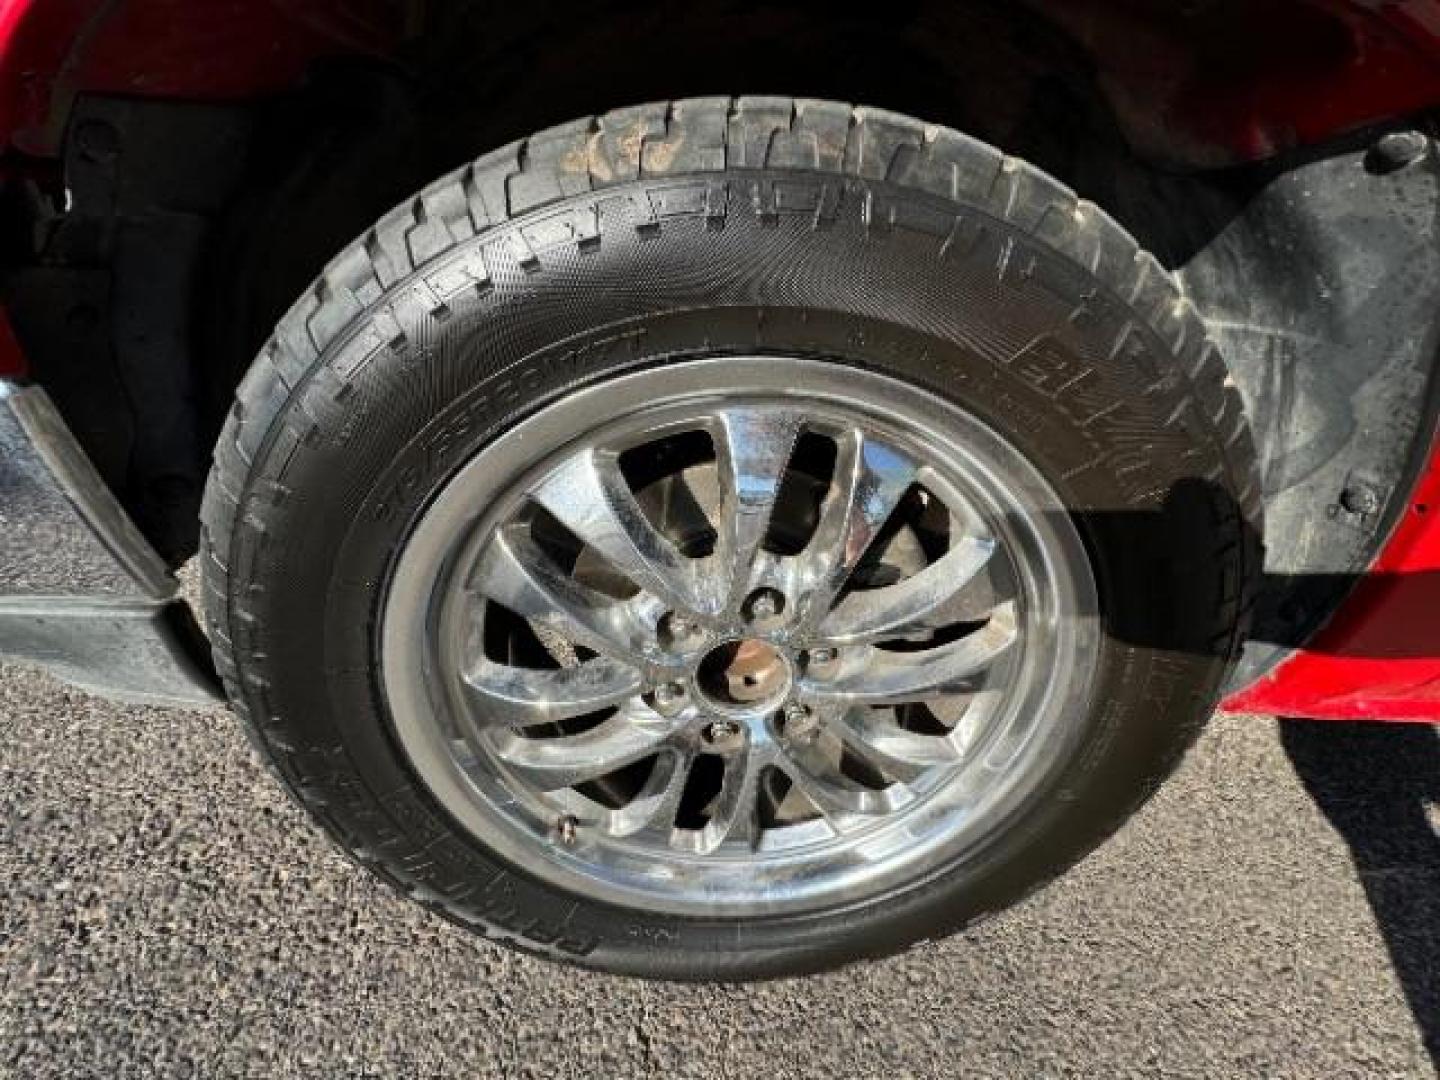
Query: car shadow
{"type": "Point", "coordinates": [1379, 786]}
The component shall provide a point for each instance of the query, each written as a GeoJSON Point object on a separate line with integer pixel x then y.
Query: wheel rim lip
{"type": "Point", "coordinates": [953, 822]}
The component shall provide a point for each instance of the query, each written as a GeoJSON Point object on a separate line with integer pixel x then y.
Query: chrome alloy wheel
{"type": "Point", "coordinates": [740, 636]}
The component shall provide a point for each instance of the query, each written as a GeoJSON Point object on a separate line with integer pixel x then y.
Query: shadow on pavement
{"type": "Point", "coordinates": [1379, 785]}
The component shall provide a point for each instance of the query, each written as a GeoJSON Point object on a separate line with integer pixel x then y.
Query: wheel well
{"type": "Point", "coordinates": [363, 134]}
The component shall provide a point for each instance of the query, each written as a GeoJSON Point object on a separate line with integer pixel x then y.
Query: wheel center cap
{"type": "Point", "coordinates": [741, 673]}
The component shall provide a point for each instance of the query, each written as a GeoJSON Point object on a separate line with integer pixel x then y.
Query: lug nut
{"type": "Point", "coordinates": [822, 657]}
{"type": "Point", "coordinates": [800, 722]}
{"type": "Point", "coordinates": [669, 698]}
{"type": "Point", "coordinates": [722, 731]}
{"type": "Point", "coordinates": [765, 606]}
{"type": "Point", "coordinates": [679, 632]}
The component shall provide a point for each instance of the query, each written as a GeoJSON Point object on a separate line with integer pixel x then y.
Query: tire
{"type": "Point", "coordinates": [868, 243]}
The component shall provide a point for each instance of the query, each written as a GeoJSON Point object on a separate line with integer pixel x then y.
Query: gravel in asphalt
{"type": "Point", "coordinates": [168, 913]}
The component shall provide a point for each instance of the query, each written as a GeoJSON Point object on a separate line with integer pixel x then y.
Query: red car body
{"type": "Point", "coordinates": [1300, 72]}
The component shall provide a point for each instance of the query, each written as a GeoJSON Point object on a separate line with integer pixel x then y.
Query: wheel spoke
{"type": "Point", "coordinates": [735, 815]}
{"type": "Point", "coordinates": [881, 743]}
{"type": "Point", "coordinates": [870, 480]}
{"type": "Point", "coordinates": [651, 813]}
{"type": "Point", "coordinates": [590, 496]}
{"type": "Point", "coordinates": [519, 697]}
{"type": "Point", "coordinates": [871, 676]}
{"type": "Point", "coordinates": [567, 760]}
{"type": "Point", "coordinates": [915, 603]}
{"type": "Point", "coordinates": [838, 798]}
{"type": "Point", "coordinates": [515, 572]}
{"type": "Point", "coordinates": [753, 449]}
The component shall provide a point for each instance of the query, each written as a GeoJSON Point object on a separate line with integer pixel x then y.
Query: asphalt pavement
{"type": "Point", "coordinates": [166, 912]}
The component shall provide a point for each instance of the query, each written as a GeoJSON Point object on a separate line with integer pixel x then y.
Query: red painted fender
{"type": "Point", "coordinates": [1378, 658]}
